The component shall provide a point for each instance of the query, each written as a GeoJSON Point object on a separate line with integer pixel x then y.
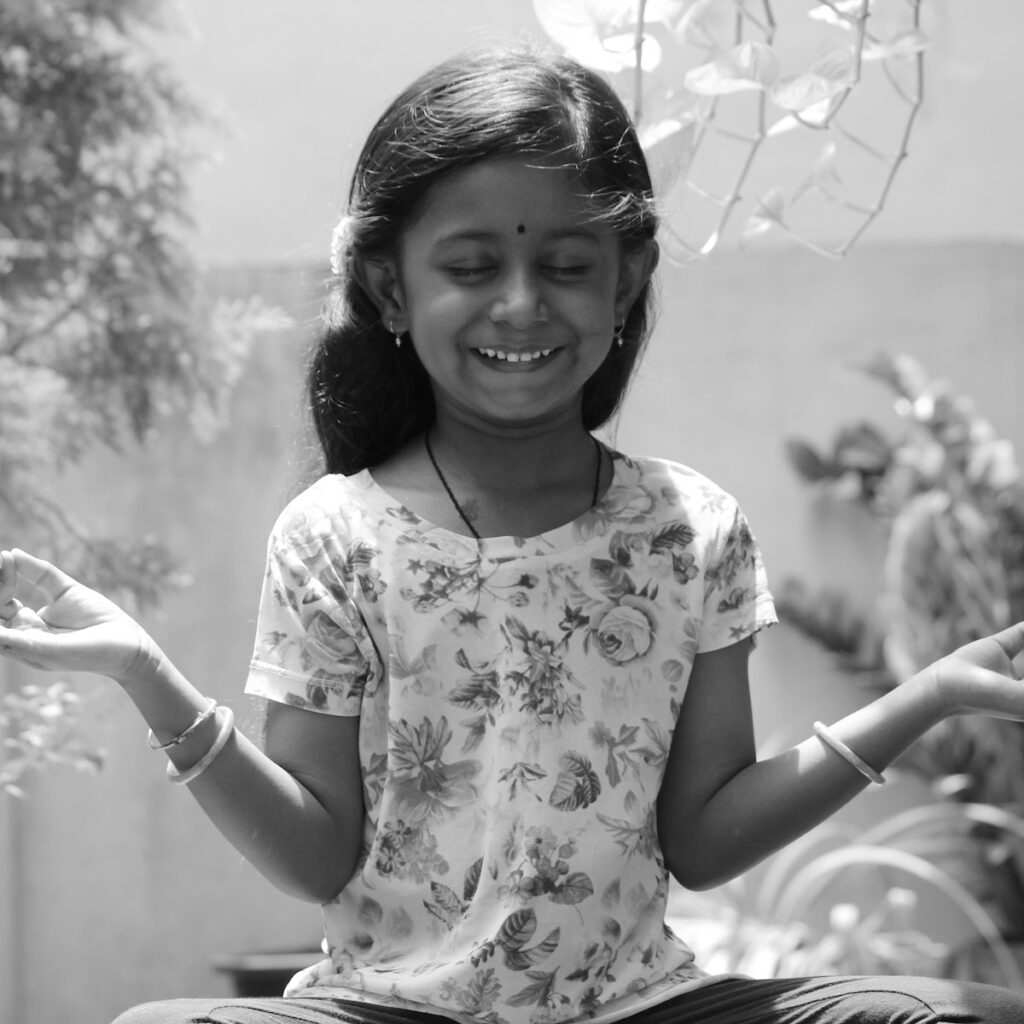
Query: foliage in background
{"type": "Point", "coordinates": [105, 327]}
{"type": "Point", "coordinates": [847, 902]}
{"type": "Point", "coordinates": [716, 84]}
{"type": "Point", "coordinates": [949, 499]}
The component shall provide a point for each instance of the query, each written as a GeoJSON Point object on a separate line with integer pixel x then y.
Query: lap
{"type": "Point", "coordinates": [825, 1000]}
{"type": "Point", "coordinates": [275, 1010]}
{"type": "Point", "coordinates": [839, 1000]}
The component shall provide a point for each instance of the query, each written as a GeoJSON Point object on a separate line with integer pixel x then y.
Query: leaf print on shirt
{"type": "Point", "coordinates": [425, 786]}
{"type": "Point", "coordinates": [513, 936]}
{"type": "Point", "coordinates": [446, 905]}
{"type": "Point", "coordinates": [443, 582]}
{"type": "Point", "coordinates": [541, 683]}
{"type": "Point", "coordinates": [521, 774]}
{"type": "Point", "coordinates": [577, 784]}
{"type": "Point", "coordinates": [616, 746]}
{"type": "Point", "coordinates": [637, 834]}
{"type": "Point", "coordinates": [477, 998]}
{"type": "Point", "coordinates": [478, 693]}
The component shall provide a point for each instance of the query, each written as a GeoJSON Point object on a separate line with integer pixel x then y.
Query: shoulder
{"type": "Point", "coordinates": [676, 489]}
{"type": "Point", "coordinates": [327, 507]}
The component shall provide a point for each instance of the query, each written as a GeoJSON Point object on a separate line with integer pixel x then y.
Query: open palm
{"type": "Point", "coordinates": [50, 621]}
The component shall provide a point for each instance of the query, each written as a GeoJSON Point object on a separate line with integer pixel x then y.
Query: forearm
{"type": "Point", "coordinates": [265, 812]}
{"type": "Point", "coordinates": [769, 803]}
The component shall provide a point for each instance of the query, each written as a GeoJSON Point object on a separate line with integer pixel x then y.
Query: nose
{"type": "Point", "coordinates": [519, 302]}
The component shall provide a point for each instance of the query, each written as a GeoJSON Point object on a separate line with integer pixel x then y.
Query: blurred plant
{"type": "Point", "coordinates": [844, 902]}
{"type": "Point", "coordinates": [949, 498]}
{"type": "Point", "coordinates": [715, 83]}
{"type": "Point", "coordinates": [105, 328]}
{"type": "Point", "coordinates": [43, 727]}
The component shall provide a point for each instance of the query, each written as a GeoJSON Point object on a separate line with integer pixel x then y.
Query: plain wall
{"type": "Point", "coordinates": [118, 888]}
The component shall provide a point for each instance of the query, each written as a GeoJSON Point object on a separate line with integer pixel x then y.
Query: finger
{"type": "Point", "coordinates": [1011, 640]}
{"type": "Point", "coordinates": [38, 573]}
{"type": "Point", "coordinates": [8, 577]}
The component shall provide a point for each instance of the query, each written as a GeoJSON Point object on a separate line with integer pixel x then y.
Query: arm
{"type": "Point", "coordinates": [720, 811]}
{"type": "Point", "coordinates": [294, 812]}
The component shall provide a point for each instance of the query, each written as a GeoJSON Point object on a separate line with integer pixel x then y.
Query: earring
{"type": "Point", "coordinates": [618, 334]}
{"type": "Point", "coordinates": [397, 334]}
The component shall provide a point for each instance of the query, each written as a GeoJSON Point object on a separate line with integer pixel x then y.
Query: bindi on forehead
{"type": "Point", "coordinates": [520, 229]}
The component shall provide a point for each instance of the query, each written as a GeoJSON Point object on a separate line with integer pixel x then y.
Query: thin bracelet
{"type": "Point", "coordinates": [196, 722]}
{"type": "Point", "coordinates": [823, 732]}
{"type": "Point", "coordinates": [193, 773]}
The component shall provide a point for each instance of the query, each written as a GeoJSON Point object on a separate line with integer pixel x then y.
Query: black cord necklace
{"type": "Point", "coordinates": [599, 450]}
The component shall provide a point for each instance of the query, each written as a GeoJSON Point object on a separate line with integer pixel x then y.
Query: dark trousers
{"type": "Point", "coordinates": [828, 1000]}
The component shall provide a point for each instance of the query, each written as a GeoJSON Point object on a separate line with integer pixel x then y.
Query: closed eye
{"type": "Point", "coordinates": [470, 273]}
{"type": "Point", "coordinates": [567, 272]}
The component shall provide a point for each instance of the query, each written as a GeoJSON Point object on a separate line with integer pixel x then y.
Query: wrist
{"type": "Point", "coordinates": [148, 665]}
{"type": "Point", "coordinates": [931, 692]}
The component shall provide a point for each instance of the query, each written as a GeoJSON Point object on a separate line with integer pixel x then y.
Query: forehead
{"type": "Point", "coordinates": [507, 196]}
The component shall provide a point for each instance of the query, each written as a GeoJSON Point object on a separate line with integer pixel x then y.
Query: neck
{"type": "Point", "coordinates": [527, 457]}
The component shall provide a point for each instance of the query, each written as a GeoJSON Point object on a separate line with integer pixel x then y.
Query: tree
{"type": "Point", "coordinates": [105, 327]}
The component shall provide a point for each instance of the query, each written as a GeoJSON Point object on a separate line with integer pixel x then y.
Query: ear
{"type": "Point", "coordinates": [638, 264]}
{"type": "Point", "coordinates": [379, 279]}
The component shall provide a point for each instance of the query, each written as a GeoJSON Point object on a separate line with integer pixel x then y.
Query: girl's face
{"type": "Point", "coordinates": [511, 293]}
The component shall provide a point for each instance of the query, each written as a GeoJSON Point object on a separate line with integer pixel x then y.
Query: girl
{"type": "Point", "coordinates": [506, 666]}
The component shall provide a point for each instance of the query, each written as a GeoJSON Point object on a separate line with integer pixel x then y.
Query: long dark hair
{"type": "Point", "coordinates": [367, 396]}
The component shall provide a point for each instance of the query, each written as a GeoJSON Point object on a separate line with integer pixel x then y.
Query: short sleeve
{"type": "Point", "coordinates": [312, 649]}
{"type": "Point", "coordinates": [737, 601]}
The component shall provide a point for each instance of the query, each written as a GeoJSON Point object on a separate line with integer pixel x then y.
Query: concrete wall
{"type": "Point", "coordinates": [116, 889]}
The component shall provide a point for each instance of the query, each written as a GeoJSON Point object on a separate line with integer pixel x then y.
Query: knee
{"type": "Point", "coordinates": [169, 1011]}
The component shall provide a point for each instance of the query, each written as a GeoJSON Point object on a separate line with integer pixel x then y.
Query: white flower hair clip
{"type": "Point", "coordinates": [340, 243]}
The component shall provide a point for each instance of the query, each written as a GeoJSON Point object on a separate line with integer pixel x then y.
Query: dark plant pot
{"type": "Point", "coordinates": [264, 974]}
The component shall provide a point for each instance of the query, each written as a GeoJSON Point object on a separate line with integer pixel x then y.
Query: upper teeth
{"type": "Point", "coordinates": [514, 357]}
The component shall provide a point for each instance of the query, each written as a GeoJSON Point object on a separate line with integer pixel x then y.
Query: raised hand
{"type": "Point", "coordinates": [52, 622]}
{"type": "Point", "coordinates": [985, 676]}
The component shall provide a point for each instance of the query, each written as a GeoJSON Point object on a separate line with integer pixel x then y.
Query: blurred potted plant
{"type": "Point", "coordinates": [949, 499]}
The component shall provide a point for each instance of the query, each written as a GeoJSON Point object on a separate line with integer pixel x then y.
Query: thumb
{"type": "Point", "coordinates": [1011, 640]}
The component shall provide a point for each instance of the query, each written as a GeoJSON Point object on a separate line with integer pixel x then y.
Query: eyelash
{"type": "Point", "coordinates": [558, 272]}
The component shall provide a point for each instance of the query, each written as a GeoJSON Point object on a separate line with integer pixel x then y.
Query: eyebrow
{"type": "Point", "coordinates": [469, 235]}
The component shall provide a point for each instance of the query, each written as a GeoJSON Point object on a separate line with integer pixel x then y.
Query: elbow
{"type": "Point", "coordinates": [698, 874]}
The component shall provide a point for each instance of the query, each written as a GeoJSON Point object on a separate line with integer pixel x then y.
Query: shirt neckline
{"type": "Point", "coordinates": [557, 539]}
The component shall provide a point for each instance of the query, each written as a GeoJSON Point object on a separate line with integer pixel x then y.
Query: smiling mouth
{"type": "Point", "coordinates": [505, 356]}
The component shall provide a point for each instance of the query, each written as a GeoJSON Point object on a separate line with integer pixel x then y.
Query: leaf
{"type": "Point", "coordinates": [816, 89]}
{"type": "Point", "coordinates": [808, 464]}
{"type": "Point", "coordinates": [905, 44]}
{"type": "Point", "coordinates": [370, 911]}
{"type": "Point", "coordinates": [517, 929]}
{"type": "Point", "coordinates": [575, 889]}
{"type": "Point", "coordinates": [679, 535]}
{"type": "Point", "coordinates": [669, 145]}
{"type": "Point", "coordinates": [521, 959]}
{"type": "Point", "coordinates": [472, 879]}
{"type": "Point", "coordinates": [767, 214]}
{"type": "Point", "coordinates": [600, 34]}
{"type": "Point", "coordinates": [538, 992]}
{"type": "Point", "coordinates": [577, 784]}
{"type": "Point", "coordinates": [823, 175]}
{"type": "Point", "coordinates": [446, 905]}
{"type": "Point", "coordinates": [751, 65]}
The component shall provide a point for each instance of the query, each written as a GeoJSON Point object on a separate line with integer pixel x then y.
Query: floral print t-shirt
{"type": "Point", "coordinates": [517, 699]}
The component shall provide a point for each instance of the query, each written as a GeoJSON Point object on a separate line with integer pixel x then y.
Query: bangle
{"type": "Point", "coordinates": [825, 734]}
{"type": "Point", "coordinates": [182, 778]}
{"type": "Point", "coordinates": [196, 722]}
